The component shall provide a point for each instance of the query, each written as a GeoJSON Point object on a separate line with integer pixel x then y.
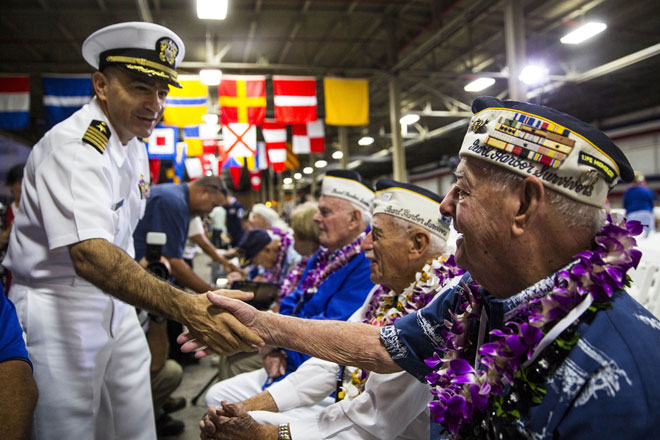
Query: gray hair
{"type": "Point", "coordinates": [437, 245]}
{"type": "Point", "coordinates": [575, 214]}
{"type": "Point", "coordinates": [366, 214]}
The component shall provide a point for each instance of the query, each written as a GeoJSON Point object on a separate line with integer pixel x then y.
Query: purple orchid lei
{"type": "Point", "coordinates": [292, 278]}
{"type": "Point", "coordinates": [327, 263]}
{"type": "Point", "coordinates": [386, 306]}
{"type": "Point", "coordinates": [462, 393]}
{"type": "Point", "coordinates": [274, 273]}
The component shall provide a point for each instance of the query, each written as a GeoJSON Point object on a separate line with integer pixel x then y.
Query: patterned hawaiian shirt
{"type": "Point", "coordinates": [607, 387]}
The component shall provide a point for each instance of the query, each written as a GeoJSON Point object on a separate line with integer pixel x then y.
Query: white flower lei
{"type": "Point", "coordinates": [383, 311]}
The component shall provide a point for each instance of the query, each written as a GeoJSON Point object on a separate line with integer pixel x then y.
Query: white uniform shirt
{"type": "Point", "coordinates": [71, 193]}
{"type": "Point", "coordinates": [196, 227]}
{"type": "Point", "coordinates": [392, 406]}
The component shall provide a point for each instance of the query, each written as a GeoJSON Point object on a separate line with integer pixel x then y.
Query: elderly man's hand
{"type": "Point", "coordinates": [246, 314]}
{"type": "Point", "coordinates": [218, 329]}
{"type": "Point", "coordinates": [231, 421]}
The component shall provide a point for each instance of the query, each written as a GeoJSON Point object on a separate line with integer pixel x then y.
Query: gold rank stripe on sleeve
{"type": "Point", "coordinates": [97, 135]}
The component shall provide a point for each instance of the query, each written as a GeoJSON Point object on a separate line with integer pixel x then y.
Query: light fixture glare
{"type": "Point", "coordinates": [583, 33]}
{"type": "Point", "coordinates": [479, 84]}
{"type": "Point", "coordinates": [211, 9]}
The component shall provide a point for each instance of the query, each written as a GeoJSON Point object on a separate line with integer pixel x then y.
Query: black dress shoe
{"type": "Point", "coordinates": [167, 426]}
{"type": "Point", "coordinates": [174, 404]}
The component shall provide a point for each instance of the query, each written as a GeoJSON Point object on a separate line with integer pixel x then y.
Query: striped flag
{"type": "Point", "coordinates": [292, 162]}
{"type": "Point", "coordinates": [294, 99]}
{"type": "Point", "coordinates": [240, 140]}
{"type": "Point", "coordinates": [242, 99]}
{"type": "Point", "coordinates": [14, 102]}
{"type": "Point", "coordinates": [308, 138]}
{"type": "Point", "coordinates": [64, 95]}
{"type": "Point", "coordinates": [275, 137]}
{"type": "Point", "coordinates": [200, 139]}
{"type": "Point", "coordinates": [187, 105]}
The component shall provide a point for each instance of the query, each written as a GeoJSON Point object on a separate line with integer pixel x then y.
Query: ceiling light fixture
{"type": "Point", "coordinates": [365, 140]}
{"type": "Point", "coordinates": [409, 119]}
{"type": "Point", "coordinates": [320, 163]}
{"type": "Point", "coordinates": [297, 176]}
{"type": "Point", "coordinates": [210, 77]}
{"type": "Point", "coordinates": [337, 155]}
{"type": "Point", "coordinates": [534, 74]}
{"type": "Point", "coordinates": [287, 181]}
{"type": "Point", "coordinates": [583, 33]}
{"type": "Point", "coordinates": [479, 84]}
{"type": "Point", "coordinates": [308, 170]}
{"type": "Point", "coordinates": [211, 9]}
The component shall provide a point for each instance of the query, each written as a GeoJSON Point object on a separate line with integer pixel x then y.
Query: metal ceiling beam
{"type": "Point", "coordinates": [145, 12]}
{"type": "Point", "coordinates": [599, 71]}
{"type": "Point", "coordinates": [294, 31]}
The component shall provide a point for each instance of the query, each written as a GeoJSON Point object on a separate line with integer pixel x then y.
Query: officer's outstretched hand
{"type": "Point", "coordinates": [216, 329]}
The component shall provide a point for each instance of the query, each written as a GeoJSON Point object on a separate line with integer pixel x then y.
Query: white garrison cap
{"type": "Point", "coordinates": [143, 48]}
{"type": "Point", "coordinates": [348, 185]}
{"type": "Point", "coordinates": [413, 204]}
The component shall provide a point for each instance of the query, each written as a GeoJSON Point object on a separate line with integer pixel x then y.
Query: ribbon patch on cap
{"type": "Point", "coordinates": [531, 138]}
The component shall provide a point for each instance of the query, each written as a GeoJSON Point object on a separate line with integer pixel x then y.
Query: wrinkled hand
{"type": "Point", "coordinates": [275, 363]}
{"type": "Point", "coordinates": [231, 421]}
{"type": "Point", "coordinates": [232, 302]}
{"type": "Point", "coordinates": [216, 328]}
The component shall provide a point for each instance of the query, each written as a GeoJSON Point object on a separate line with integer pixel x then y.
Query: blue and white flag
{"type": "Point", "coordinates": [64, 95]}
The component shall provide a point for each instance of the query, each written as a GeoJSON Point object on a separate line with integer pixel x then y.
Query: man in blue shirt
{"type": "Point", "coordinates": [18, 391]}
{"type": "Point", "coordinates": [169, 209]}
{"type": "Point", "coordinates": [547, 344]}
{"type": "Point", "coordinates": [638, 201]}
{"type": "Point", "coordinates": [335, 283]}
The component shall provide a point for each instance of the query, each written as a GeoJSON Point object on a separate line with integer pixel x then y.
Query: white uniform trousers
{"type": "Point", "coordinates": [91, 363]}
{"type": "Point", "coordinates": [246, 385]}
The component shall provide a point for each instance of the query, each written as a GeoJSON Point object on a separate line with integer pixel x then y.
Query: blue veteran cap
{"type": "Point", "coordinates": [253, 241]}
{"type": "Point", "coordinates": [143, 48]}
{"type": "Point", "coordinates": [566, 154]}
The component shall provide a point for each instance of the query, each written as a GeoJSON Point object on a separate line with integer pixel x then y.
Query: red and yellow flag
{"type": "Point", "coordinates": [242, 99]}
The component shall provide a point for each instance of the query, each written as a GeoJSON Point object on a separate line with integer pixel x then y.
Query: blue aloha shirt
{"type": "Point", "coordinates": [607, 387]}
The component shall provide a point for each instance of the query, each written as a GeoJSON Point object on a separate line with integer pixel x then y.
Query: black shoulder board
{"type": "Point", "coordinates": [97, 135]}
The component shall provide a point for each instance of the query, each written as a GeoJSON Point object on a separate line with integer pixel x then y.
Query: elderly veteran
{"type": "Point", "coordinates": [84, 190]}
{"type": "Point", "coordinates": [541, 340]}
{"type": "Point", "coordinates": [335, 282]}
{"type": "Point", "coordinates": [407, 248]}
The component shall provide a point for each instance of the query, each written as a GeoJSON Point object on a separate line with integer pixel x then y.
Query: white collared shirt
{"type": "Point", "coordinates": [72, 192]}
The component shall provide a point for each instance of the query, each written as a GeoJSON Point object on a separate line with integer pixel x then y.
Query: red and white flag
{"type": "Point", "coordinates": [308, 138]}
{"type": "Point", "coordinates": [240, 140]}
{"type": "Point", "coordinates": [294, 99]}
{"type": "Point", "coordinates": [255, 179]}
{"type": "Point", "coordinates": [275, 137]}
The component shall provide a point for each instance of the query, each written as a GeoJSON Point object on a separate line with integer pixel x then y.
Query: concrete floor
{"type": "Point", "coordinates": [195, 376]}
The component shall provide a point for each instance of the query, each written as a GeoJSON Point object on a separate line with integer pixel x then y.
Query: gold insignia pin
{"type": "Point", "coordinates": [477, 125]}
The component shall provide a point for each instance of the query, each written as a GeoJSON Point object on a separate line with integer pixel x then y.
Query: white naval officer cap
{"type": "Point", "coordinates": [143, 48]}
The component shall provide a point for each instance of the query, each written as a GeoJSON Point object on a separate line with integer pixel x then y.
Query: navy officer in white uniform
{"type": "Point", "coordinates": [71, 251]}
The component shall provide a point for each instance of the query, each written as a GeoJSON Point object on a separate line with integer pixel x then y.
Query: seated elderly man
{"type": "Point", "coordinates": [408, 253]}
{"type": "Point", "coordinates": [541, 340]}
{"type": "Point", "coordinates": [335, 282]}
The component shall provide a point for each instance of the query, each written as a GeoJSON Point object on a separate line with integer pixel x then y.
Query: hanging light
{"type": "Point", "coordinates": [308, 170]}
{"type": "Point", "coordinates": [337, 155]}
{"type": "Point", "coordinates": [479, 84]}
{"type": "Point", "coordinates": [210, 77]}
{"type": "Point", "coordinates": [287, 181]}
{"type": "Point", "coordinates": [409, 119]}
{"type": "Point", "coordinates": [320, 163]}
{"type": "Point", "coordinates": [583, 33]}
{"type": "Point", "coordinates": [297, 176]}
{"type": "Point", "coordinates": [365, 140]}
{"type": "Point", "coordinates": [211, 9]}
{"type": "Point", "coordinates": [534, 74]}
